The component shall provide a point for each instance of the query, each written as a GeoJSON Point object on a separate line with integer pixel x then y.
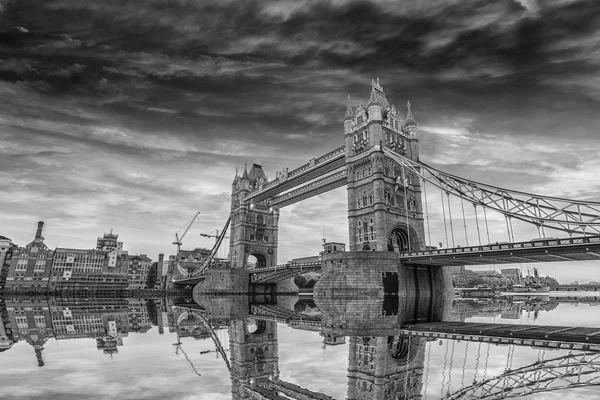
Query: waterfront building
{"type": "Point", "coordinates": [89, 270]}
{"type": "Point", "coordinates": [30, 266]}
{"type": "Point", "coordinates": [6, 250]}
{"type": "Point", "coordinates": [29, 320]}
{"type": "Point", "coordinates": [138, 267]}
{"type": "Point", "coordinates": [138, 314]}
{"type": "Point", "coordinates": [514, 274]}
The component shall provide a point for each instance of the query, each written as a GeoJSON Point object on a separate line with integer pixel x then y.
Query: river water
{"type": "Point", "coordinates": [163, 349]}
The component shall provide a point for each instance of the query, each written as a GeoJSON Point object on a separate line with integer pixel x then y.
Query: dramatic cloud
{"type": "Point", "coordinates": [134, 115]}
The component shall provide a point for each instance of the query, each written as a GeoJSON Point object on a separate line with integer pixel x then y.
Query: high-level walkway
{"type": "Point", "coordinates": [549, 250]}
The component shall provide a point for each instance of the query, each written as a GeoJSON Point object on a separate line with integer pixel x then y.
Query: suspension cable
{"type": "Point", "coordinates": [477, 223]}
{"type": "Point", "coordinates": [450, 367]}
{"type": "Point", "coordinates": [487, 358]}
{"type": "Point", "coordinates": [406, 374]}
{"type": "Point", "coordinates": [486, 225]}
{"type": "Point", "coordinates": [445, 363]}
{"type": "Point", "coordinates": [405, 184]}
{"type": "Point", "coordinates": [426, 383]}
{"type": "Point", "coordinates": [445, 224]}
{"type": "Point", "coordinates": [462, 380]}
{"type": "Point", "coordinates": [426, 212]}
{"type": "Point", "coordinates": [477, 363]}
{"type": "Point", "coordinates": [512, 231]}
{"type": "Point", "coordinates": [462, 204]}
{"type": "Point", "coordinates": [450, 216]}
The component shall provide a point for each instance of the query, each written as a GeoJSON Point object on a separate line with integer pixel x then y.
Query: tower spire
{"type": "Point", "coordinates": [409, 115]}
{"type": "Point", "coordinates": [245, 174]}
{"type": "Point", "coordinates": [349, 112]}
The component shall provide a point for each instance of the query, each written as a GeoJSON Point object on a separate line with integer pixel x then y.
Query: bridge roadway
{"type": "Point", "coordinates": [550, 250]}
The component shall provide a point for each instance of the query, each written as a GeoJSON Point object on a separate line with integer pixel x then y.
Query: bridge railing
{"type": "Point", "coordinates": [506, 245]}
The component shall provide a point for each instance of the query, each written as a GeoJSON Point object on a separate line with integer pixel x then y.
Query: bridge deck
{"type": "Point", "coordinates": [571, 337]}
{"type": "Point", "coordinates": [551, 250]}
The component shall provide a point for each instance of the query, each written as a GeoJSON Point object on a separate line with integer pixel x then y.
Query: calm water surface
{"type": "Point", "coordinates": [147, 349]}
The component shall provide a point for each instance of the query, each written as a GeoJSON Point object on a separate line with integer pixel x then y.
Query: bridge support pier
{"type": "Point", "coordinates": [372, 291]}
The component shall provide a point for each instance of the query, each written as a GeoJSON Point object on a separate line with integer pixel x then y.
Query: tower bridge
{"type": "Point", "coordinates": [389, 214]}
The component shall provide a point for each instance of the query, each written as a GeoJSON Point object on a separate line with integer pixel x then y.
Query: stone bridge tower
{"type": "Point", "coordinates": [254, 356]}
{"type": "Point", "coordinates": [385, 368]}
{"type": "Point", "coordinates": [384, 199]}
{"type": "Point", "coordinates": [254, 227]}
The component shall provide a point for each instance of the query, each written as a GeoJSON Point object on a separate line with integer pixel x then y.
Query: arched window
{"type": "Point", "coordinates": [364, 199]}
{"type": "Point", "coordinates": [397, 171]}
{"type": "Point", "coordinates": [260, 219]}
{"type": "Point", "coordinates": [372, 229]}
{"type": "Point", "coordinates": [370, 200]}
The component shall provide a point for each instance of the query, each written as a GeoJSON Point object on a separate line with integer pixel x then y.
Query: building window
{"type": "Point", "coordinates": [21, 264]}
{"type": "Point", "coordinates": [359, 233]}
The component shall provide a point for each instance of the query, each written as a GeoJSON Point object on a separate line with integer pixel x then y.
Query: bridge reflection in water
{"type": "Point", "coordinates": [390, 341]}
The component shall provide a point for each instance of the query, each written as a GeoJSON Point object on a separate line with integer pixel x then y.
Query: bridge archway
{"type": "Point", "coordinates": [256, 260]}
{"type": "Point", "coordinates": [256, 327]}
{"type": "Point", "coordinates": [366, 247]}
{"type": "Point", "coordinates": [399, 238]}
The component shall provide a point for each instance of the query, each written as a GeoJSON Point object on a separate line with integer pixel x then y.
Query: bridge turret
{"type": "Point", "coordinates": [377, 102]}
{"type": "Point", "coordinates": [410, 126]}
{"type": "Point", "coordinates": [349, 118]}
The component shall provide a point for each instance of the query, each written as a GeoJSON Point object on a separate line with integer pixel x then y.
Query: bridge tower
{"type": "Point", "coordinates": [254, 355]}
{"type": "Point", "coordinates": [384, 200]}
{"type": "Point", "coordinates": [254, 227]}
{"type": "Point", "coordinates": [388, 367]}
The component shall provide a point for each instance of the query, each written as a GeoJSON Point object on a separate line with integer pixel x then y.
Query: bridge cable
{"type": "Point", "coordinates": [407, 373]}
{"type": "Point", "coordinates": [487, 358]}
{"type": "Point", "coordinates": [450, 216]}
{"type": "Point", "coordinates": [444, 214]}
{"type": "Point", "coordinates": [506, 218]}
{"type": "Point", "coordinates": [450, 368]}
{"type": "Point", "coordinates": [426, 383]}
{"type": "Point", "coordinates": [445, 364]}
{"type": "Point", "coordinates": [477, 363]}
{"type": "Point", "coordinates": [405, 184]}
{"type": "Point", "coordinates": [462, 380]}
{"type": "Point", "coordinates": [512, 231]}
{"type": "Point", "coordinates": [464, 221]}
{"type": "Point", "coordinates": [486, 225]}
{"type": "Point", "coordinates": [477, 223]}
{"type": "Point", "coordinates": [426, 211]}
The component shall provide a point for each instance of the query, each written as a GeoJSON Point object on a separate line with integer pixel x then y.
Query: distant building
{"type": "Point", "coordinates": [329, 247]}
{"type": "Point", "coordinates": [30, 266]}
{"type": "Point", "coordinates": [459, 275]}
{"type": "Point", "coordinates": [514, 274]}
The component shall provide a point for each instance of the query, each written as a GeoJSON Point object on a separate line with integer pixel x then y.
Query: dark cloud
{"type": "Point", "coordinates": [189, 89]}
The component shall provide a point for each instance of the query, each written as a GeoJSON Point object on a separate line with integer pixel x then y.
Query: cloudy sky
{"type": "Point", "coordinates": [134, 115]}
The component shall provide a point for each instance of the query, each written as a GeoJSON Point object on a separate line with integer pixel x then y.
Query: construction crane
{"type": "Point", "coordinates": [179, 239]}
{"type": "Point", "coordinates": [216, 235]}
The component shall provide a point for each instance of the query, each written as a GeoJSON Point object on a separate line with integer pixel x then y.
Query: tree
{"type": "Point", "coordinates": [151, 279]}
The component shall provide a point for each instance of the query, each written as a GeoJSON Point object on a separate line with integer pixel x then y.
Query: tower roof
{"type": "Point", "coordinates": [377, 96]}
{"type": "Point", "coordinates": [255, 173]}
{"type": "Point", "coordinates": [245, 174]}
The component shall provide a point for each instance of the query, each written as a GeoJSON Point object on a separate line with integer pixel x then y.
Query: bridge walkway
{"type": "Point", "coordinates": [549, 250]}
{"type": "Point", "coordinates": [559, 337]}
